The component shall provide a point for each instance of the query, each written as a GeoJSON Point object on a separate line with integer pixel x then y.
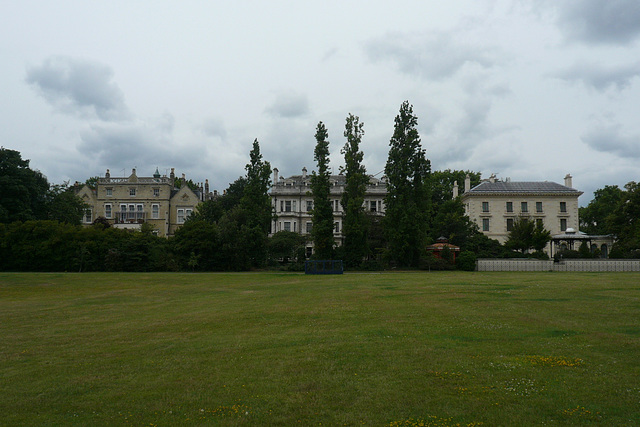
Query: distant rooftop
{"type": "Point", "coordinates": [507, 187]}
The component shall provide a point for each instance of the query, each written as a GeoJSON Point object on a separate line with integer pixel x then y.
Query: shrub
{"type": "Point", "coordinates": [466, 261]}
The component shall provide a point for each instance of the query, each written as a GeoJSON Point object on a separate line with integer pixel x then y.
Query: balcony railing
{"type": "Point", "coordinates": [131, 217]}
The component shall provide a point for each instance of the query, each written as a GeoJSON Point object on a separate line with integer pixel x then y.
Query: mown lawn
{"type": "Point", "coordinates": [440, 349]}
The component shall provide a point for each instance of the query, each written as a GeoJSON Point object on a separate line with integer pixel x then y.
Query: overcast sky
{"type": "Point", "coordinates": [526, 92]}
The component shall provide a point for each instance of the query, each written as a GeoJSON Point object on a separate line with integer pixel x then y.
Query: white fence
{"type": "Point", "coordinates": [565, 265]}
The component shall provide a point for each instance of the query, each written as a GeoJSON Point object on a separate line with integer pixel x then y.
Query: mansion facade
{"type": "Point", "coordinates": [128, 202]}
{"type": "Point", "coordinates": [292, 202]}
{"type": "Point", "coordinates": [165, 202]}
{"type": "Point", "coordinates": [496, 205]}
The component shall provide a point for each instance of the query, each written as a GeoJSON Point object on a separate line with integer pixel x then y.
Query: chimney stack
{"type": "Point", "coordinates": [567, 181]}
{"type": "Point", "coordinates": [304, 172]}
{"type": "Point", "coordinates": [206, 186]}
{"type": "Point", "coordinates": [455, 189]}
{"type": "Point", "coordinates": [467, 183]}
{"type": "Point", "coordinates": [108, 174]}
{"type": "Point", "coordinates": [275, 176]}
{"type": "Point", "coordinates": [173, 174]}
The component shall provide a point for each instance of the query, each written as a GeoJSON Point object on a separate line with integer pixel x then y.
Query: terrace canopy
{"type": "Point", "coordinates": [568, 239]}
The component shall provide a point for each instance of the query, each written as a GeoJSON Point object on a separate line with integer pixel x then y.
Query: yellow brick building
{"type": "Point", "coordinates": [161, 201]}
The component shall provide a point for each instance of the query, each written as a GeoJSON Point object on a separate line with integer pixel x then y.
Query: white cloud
{"type": "Point", "coordinates": [434, 56]}
{"type": "Point", "coordinates": [79, 87]}
{"type": "Point", "coordinates": [611, 139]}
{"type": "Point", "coordinates": [214, 127]}
{"type": "Point", "coordinates": [601, 77]}
{"type": "Point", "coordinates": [289, 105]}
{"type": "Point", "coordinates": [600, 21]}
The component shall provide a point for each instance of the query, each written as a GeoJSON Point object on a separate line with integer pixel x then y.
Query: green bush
{"type": "Point", "coordinates": [432, 262]}
{"type": "Point", "coordinates": [466, 261]}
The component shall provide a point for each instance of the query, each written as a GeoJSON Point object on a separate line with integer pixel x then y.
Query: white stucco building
{"type": "Point", "coordinates": [494, 205]}
{"type": "Point", "coordinates": [293, 203]}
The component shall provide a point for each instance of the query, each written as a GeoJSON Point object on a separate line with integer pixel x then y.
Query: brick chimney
{"type": "Point", "coordinates": [567, 181]}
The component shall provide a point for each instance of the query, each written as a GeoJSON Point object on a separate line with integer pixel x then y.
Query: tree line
{"type": "Point", "coordinates": [615, 211]}
{"type": "Point", "coordinates": [40, 231]}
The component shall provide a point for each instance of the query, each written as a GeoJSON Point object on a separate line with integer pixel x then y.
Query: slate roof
{"type": "Point", "coordinates": [503, 187]}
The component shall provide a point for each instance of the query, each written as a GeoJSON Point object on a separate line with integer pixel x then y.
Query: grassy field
{"type": "Point", "coordinates": [391, 349]}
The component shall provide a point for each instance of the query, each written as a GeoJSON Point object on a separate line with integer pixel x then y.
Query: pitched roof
{"type": "Point", "coordinates": [503, 187]}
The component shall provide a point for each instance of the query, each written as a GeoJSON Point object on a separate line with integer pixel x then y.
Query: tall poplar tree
{"type": "Point", "coordinates": [256, 213]}
{"type": "Point", "coordinates": [408, 199]}
{"type": "Point", "coordinates": [256, 197]}
{"type": "Point", "coordinates": [354, 225]}
{"type": "Point", "coordinates": [322, 231]}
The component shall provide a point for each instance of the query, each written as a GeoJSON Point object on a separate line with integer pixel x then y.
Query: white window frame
{"type": "Point", "coordinates": [183, 214]}
{"type": "Point", "coordinates": [108, 210]}
{"type": "Point", "coordinates": [155, 211]}
{"type": "Point", "coordinates": [87, 217]}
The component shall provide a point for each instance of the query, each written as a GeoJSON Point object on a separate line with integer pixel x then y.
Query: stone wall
{"type": "Point", "coordinates": [566, 265]}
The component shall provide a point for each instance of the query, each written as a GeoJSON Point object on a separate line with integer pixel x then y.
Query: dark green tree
{"type": "Point", "coordinates": [408, 199]}
{"type": "Point", "coordinates": [92, 182]}
{"type": "Point", "coordinates": [199, 240]}
{"type": "Point", "coordinates": [526, 235]}
{"type": "Point", "coordinates": [285, 245]}
{"type": "Point", "coordinates": [541, 237]}
{"type": "Point", "coordinates": [210, 211]}
{"type": "Point", "coordinates": [256, 204]}
{"type": "Point", "coordinates": [442, 184]}
{"type": "Point", "coordinates": [598, 216]}
{"type": "Point", "coordinates": [232, 195]}
{"type": "Point", "coordinates": [23, 191]}
{"type": "Point", "coordinates": [322, 231]}
{"type": "Point", "coordinates": [63, 205]}
{"type": "Point", "coordinates": [451, 222]}
{"type": "Point", "coordinates": [624, 222]}
{"type": "Point", "coordinates": [256, 197]}
{"type": "Point", "coordinates": [354, 225]}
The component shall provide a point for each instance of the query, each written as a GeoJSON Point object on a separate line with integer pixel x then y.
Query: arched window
{"type": "Point", "coordinates": [604, 251]}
